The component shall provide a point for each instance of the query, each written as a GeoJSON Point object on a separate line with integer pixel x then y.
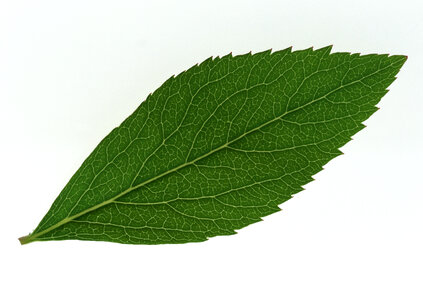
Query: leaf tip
{"type": "Point", "coordinates": [399, 59]}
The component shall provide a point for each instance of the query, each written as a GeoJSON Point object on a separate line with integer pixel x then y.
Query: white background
{"type": "Point", "coordinates": [70, 71]}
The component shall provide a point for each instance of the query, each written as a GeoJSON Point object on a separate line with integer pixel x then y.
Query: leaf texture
{"type": "Point", "coordinates": [219, 146]}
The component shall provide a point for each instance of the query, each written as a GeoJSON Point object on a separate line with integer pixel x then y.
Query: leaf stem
{"type": "Point", "coordinates": [26, 239]}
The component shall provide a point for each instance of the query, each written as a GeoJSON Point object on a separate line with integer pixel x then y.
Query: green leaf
{"type": "Point", "coordinates": [219, 146]}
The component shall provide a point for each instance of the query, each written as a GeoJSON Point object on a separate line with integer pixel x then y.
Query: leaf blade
{"type": "Point", "coordinates": [193, 160]}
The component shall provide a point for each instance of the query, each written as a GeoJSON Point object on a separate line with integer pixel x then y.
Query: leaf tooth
{"type": "Point", "coordinates": [340, 152]}
{"type": "Point", "coordinates": [225, 233]}
{"type": "Point", "coordinates": [216, 58]}
{"type": "Point", "coordinates": [265, 52]}
{"type": "Point", "coordinates": [207, 60]}
{"type": "Point", "coordinates": [169, 79]}
{"type": "Point", "coordinates": [224, 57]}
{"type": "Point", "coordinates": [288, 50]}
{"type": "Point", "coordinates": [307, 50]}
{"type": "Point", "coordinates": [325, 50]}
{"type": "Point", "coordinates": [190, 69]}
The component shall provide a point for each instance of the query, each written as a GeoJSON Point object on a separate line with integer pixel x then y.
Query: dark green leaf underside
{"type": "Point", "coordinates": [219, 146]}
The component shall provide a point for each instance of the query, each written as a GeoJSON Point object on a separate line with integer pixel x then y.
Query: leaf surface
{"type": "Point", "coordinates": [219, 146]}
